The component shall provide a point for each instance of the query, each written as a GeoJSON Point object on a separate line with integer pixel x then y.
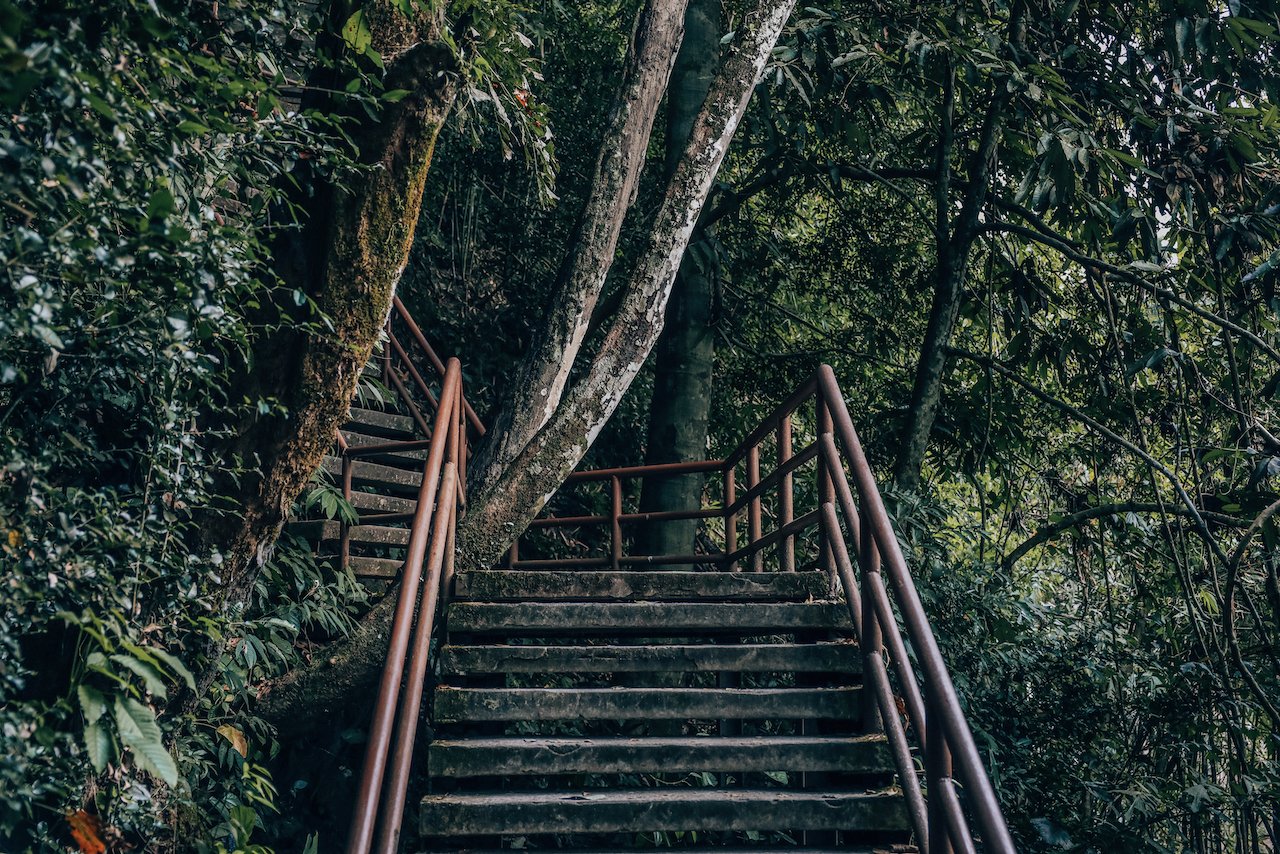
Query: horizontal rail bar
{"type": "Point", "coordinates": [774, 478]}
{"type": "Point", "coordinates": [389, 448]}
{"type": "Point", "coordinates": [561, 563]}
{"type": "Point", "coordinates": [648, 560]}
{"type": "Point", "coordinates": [633, 472]}
{"type": "Point", "coordinates": [770, 423]}
{"type": "Point", "coordinates": [808, 520]}
{"type": "Point", "coordinates": [625, 518]}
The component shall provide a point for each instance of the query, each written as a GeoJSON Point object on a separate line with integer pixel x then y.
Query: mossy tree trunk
{"type": "Point", "coordinates": [346, 257]}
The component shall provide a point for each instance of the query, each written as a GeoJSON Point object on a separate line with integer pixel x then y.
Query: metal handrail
{"type": "Point", "coordinates": [415, 332]}
{"type": "Point", "coordinates": [859, 562]}
{"type": "Point", "coordinates": [423, 583]}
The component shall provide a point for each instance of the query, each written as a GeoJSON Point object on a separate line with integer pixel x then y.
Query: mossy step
{"type": "Point", "coordinates": [633, 585]}
{"type": "Point", "coordinates": [454, 705]}
{"type": "Point", "coordinates": [481, 757]}
{"type": "Point", "coordinates": [612, 811]}
{"type": "Point", "coordinates": [330, 530]}
{"type": "Point", "coordinates": [374, 422]}
{"type": "Point", "coordinates": [373, 502]}
{"type": "Point", "coordinates": [375, 475]}
{"type": "Point", "coordinates": [646, 617]}
{"type": "Point", "coordinates": [677, 658]}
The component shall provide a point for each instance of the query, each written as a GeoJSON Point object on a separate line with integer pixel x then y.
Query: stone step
{"type": "Point", "coordinates": [660, 618]}
{"type": "Point", "coordinates": [458, 705]}
{"type": "Point", "coordinates": [380, 477]}
{"type": "Point", "coordinates": [373, 422]}
{"type": "Point", "coordinates": [378, 423]}
{"type": "Point", "coordinates": [612, 811]}
{"type": "Point", "coordinates": [373, 502]}
{"type": "Point", "coordinates": [375, 567]}
{"type": "Point", "coordinates": [678, 658]}
{"type": "Point", "coordinates": [632, 585]}
{"type": "Point", "coordinates": [886, 849]}
{"type": "Point", "coordinates": [330, 530]}
{"type": "Point", "coordinates": [482, 757]}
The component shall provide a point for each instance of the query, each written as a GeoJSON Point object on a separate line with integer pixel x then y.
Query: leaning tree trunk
{"type": "Point", "coordinates": [517, 492]}
{"type": "Point", "coordinates": [540, 379]}
{"type": "Point", "coordinates": [347, 258]}
{"type": "Point", "coordinates": [683, 358]}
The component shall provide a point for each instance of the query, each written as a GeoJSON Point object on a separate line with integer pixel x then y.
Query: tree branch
{"type": "Point", "coordinates": [1192, 511]}
{"type": "Point", "coordinates": [1045, 237]}
{"type": "Point", "coordinates": [1048, 532]}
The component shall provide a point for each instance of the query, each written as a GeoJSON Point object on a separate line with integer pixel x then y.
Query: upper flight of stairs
{"type": "Point", "coordinates": [589, 709]}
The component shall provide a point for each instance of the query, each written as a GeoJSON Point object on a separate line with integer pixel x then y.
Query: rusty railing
{"type": "Point", "coordinates": [424, 581]}
{"type": "Point", "coordinates": [848, 534]}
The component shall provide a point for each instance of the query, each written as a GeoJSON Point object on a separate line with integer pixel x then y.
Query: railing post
{"type": "Point", "coordinates": [826, 486]}
{"type": "Point", "coordinates": [386, 354]}
{"type": "Point", "coordinates": [786, 498]}
{"type": "Point", "coordinates": [872, 640]}
{"type": "Point", "coordinates": [754, 522]}
{"type": "Point", "coordinates": [344, 541]}
{"type": "Point", "coordinates": [513, 553]}
{"type": "Point", "coordinates": [730, 518]}
{"type": "Point", "coordinates": [937, 768]}
{"type": "Point", "coordinates": [615, 521]}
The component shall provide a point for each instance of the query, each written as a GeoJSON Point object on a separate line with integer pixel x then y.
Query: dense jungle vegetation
{"type": "Point", "coordinates": [1037, 241]}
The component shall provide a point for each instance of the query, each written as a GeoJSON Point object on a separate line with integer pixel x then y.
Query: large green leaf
{"type": "Point", "coordinates": [141, 734]}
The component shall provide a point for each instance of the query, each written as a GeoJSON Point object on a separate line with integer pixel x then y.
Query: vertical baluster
{"type": "Point", "coordinates": [826, 486]}
{"type": "Point", "coordinates": [386, 354]}
{"type": "Point", "coordinates": [344, 542]}
{"type": "Point", "coordinates": [786, 498]}
{"type": "Point", "coordinates": [513, 554]}
{"type": "Point", "coordinates": [615, 520]}
{"type": "Point", "coordinates": [937, 768]}
{"type": "Point", "coordinates": [872, 641]}
{"type": "Point", "coordinates": [457, 443]}
{"type": "Point", "coordinates": [753, 508]}
{"type": "Point", "coordinates": [730, 518]}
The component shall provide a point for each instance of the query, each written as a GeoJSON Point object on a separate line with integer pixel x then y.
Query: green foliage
{"type": "Point", "coordinates": [138, 140]}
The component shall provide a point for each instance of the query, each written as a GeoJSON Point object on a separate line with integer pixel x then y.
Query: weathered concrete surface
{"type": "Point", "coordinates": [677, 658]}
{"type": "Point", "coordinates": [390, 478]}
{"type": "Point", "coordinates": [369, 534]}
{"type": "Point", "coordinates": [633, 585]}
{"type": "Point", "coordinates": [609, 811]}
{"type": "Point", "coordinates": [480, 757]}
{"type": "Point", "coordinates": [650, 617]}
{"type": "Point", "coordinates": [375, 423]}
{"type": "Point", "coordinates": [548, 704]}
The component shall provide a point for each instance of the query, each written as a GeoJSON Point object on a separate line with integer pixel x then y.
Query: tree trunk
{"type": "Point", "coordinates": [685, 353]}
{"type": "Point", "coordinates": [347, 258]}
{"type": "Point", "coordinates": [518, 493]}
{"type": "Point", "coordinates": [954, 243]}
{"type": "Point", "coordinates": [540, 379]}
